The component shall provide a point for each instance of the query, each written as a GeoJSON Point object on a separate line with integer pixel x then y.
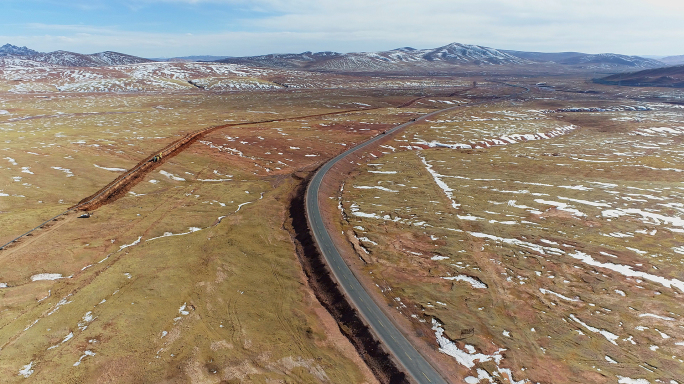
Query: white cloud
{"type": "Point", "coordinates": [622, 26]}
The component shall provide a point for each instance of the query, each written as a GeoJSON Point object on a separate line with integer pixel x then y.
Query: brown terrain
{"type": "Point", "coordinates": [199, 267]}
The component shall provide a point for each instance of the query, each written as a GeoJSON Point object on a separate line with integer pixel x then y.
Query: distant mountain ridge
{"type": "Point", "coordinates": [13, 50]}
{"type": "Point", "coordinates": [448, 56]}
{"type": "Point", "coordinates": [673, 60]}
{"type": "Point", "coordinates": [405, 59]}
{"type": "Point", "coordinates": [191, 58]}
{"type": "Point", "coordinates": [71, 59]}
{"type": "Point", "coordinates": [14, 55]}
{"type": "Point", "coordinates": [396, 59]}
{"type": "Point", "coordinates": [601, 60]}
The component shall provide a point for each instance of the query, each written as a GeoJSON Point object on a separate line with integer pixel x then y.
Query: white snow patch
{"type": "Point", "coordinates": [375, 187]}
{"type": "Point", "coordinates": [545, 291]}
{"type": "Point", "coordinates": [646, 217]}
{"type": "Point", "coordinates": [65, 170]}
{"type": "Point", "coordinates": [46, 276]}
{"type": "Point", "coordinates": [438, 179]}
{"type": "Point", "coordinates": [86, 353]}
{"type": "Point", "coordinates": [626, 270]}
{"type": "Point", "coordinates": [561, 206]}
{"type": "Point", "coordinates": [168, 234]}
{"type": "Point", "coordinates": [131, 244]}
{"type": "Point", "coordinates": [182, 310]}
{"type": "Point", "coordinates": [627, 380]}
{"type": "Point", "coordinates": [111, 169]}
{"type": "Point", "coordinates": [608, 335]}
{"type": "Point", "coordinates": [535, 247]}
{"type": "Point", "coordinates": [464, 358]}
{"type": "Point", "coordinates": [26, 370]}
{"type": "Point", "coordinates": [86, 320]}
{"type": "Point", "coordinates": [242, 205]}
{"type": "Point", "coordinates": [171, 176]}
{"type": "Point", "coordinates": [474, 282]}
{"type": "Point", "coordinates": [656, 316]}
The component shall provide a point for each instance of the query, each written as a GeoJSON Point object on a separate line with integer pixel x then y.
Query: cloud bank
{"type": "Point", "coordinates": [235, 27]}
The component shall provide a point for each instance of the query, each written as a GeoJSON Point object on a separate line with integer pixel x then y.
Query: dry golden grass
{"type": "Point", "coordinates": [582, 276]}
{"type": "Point", "coordinates": [191, 276]}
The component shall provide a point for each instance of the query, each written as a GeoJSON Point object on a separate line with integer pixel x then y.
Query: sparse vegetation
{"type": "Point", "coordinates": [532, 238]}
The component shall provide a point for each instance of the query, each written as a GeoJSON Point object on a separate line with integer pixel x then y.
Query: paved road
{"type": "Point", "coordinates": [413, 362]}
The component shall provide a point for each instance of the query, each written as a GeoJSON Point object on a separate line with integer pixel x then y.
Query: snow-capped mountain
{"type": "Point", "coordinates": [442, 58]}
{"type": "Point", "coordinates": [405, 58]}
{"type": "Point", "coordinates": [13, 55]}
{"type": "Point", "coordinates": [471, 54]}
{"type": "Point", "coordinates": [13, 50]}
{"type": "Point", "coordinates": [71, 59]}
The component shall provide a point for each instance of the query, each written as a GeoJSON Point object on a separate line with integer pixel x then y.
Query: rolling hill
{"type": "Point", "coordinates": [659, 77]}
{"type": "Point", "coordinates": [673, 60]}
{"type": "Point", "coordinates": [590, 61]}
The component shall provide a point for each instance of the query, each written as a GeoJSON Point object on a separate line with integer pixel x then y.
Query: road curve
{"type": "Point", "coordinates": [412, 361]}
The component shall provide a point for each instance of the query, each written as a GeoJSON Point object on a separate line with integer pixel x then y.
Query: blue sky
{"type": "Point", "coordinates": [165, 28]}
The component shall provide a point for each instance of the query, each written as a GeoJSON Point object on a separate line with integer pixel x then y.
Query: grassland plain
{"type": "Point", "coordinates": [189, 277]}
{"type": "Point", "coordinates": [537, 240]}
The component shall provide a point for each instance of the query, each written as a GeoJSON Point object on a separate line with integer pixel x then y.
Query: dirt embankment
{"type": "Point", "coordinates": [331, 296]}
{"type": "Point", "coordinates": [124, 183]}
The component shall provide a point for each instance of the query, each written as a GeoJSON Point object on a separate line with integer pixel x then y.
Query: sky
{"type": "Point", "coordinates": [171, 28]}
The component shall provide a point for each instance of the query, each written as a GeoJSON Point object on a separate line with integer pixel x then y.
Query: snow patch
{"type": "Point", "coordinates": [464, 358]}
{"type": "Point", "coordinates": [608, 335]}
{"type": "Point", "coordinates": [111, 169]}
{"type": "Point", "coordinates": [26, 370]}
{"type": "Point", "coordinates": [131, 244]}
{"type": "Point", "coordinates": [168, 234]}
{"type": "Point", "coordinates": [474, 282]}
{"type": "Point", "coordinates": [46, 276]}
{"type": "Point", "coordinates": [171, 176]}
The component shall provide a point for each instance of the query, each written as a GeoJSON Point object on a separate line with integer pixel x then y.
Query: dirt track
{"type": "Point", "coordinates": [125, 182]}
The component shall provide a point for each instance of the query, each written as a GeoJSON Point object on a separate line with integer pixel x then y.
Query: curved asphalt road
{"type": "Point", "coordinates": [414, 363]}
